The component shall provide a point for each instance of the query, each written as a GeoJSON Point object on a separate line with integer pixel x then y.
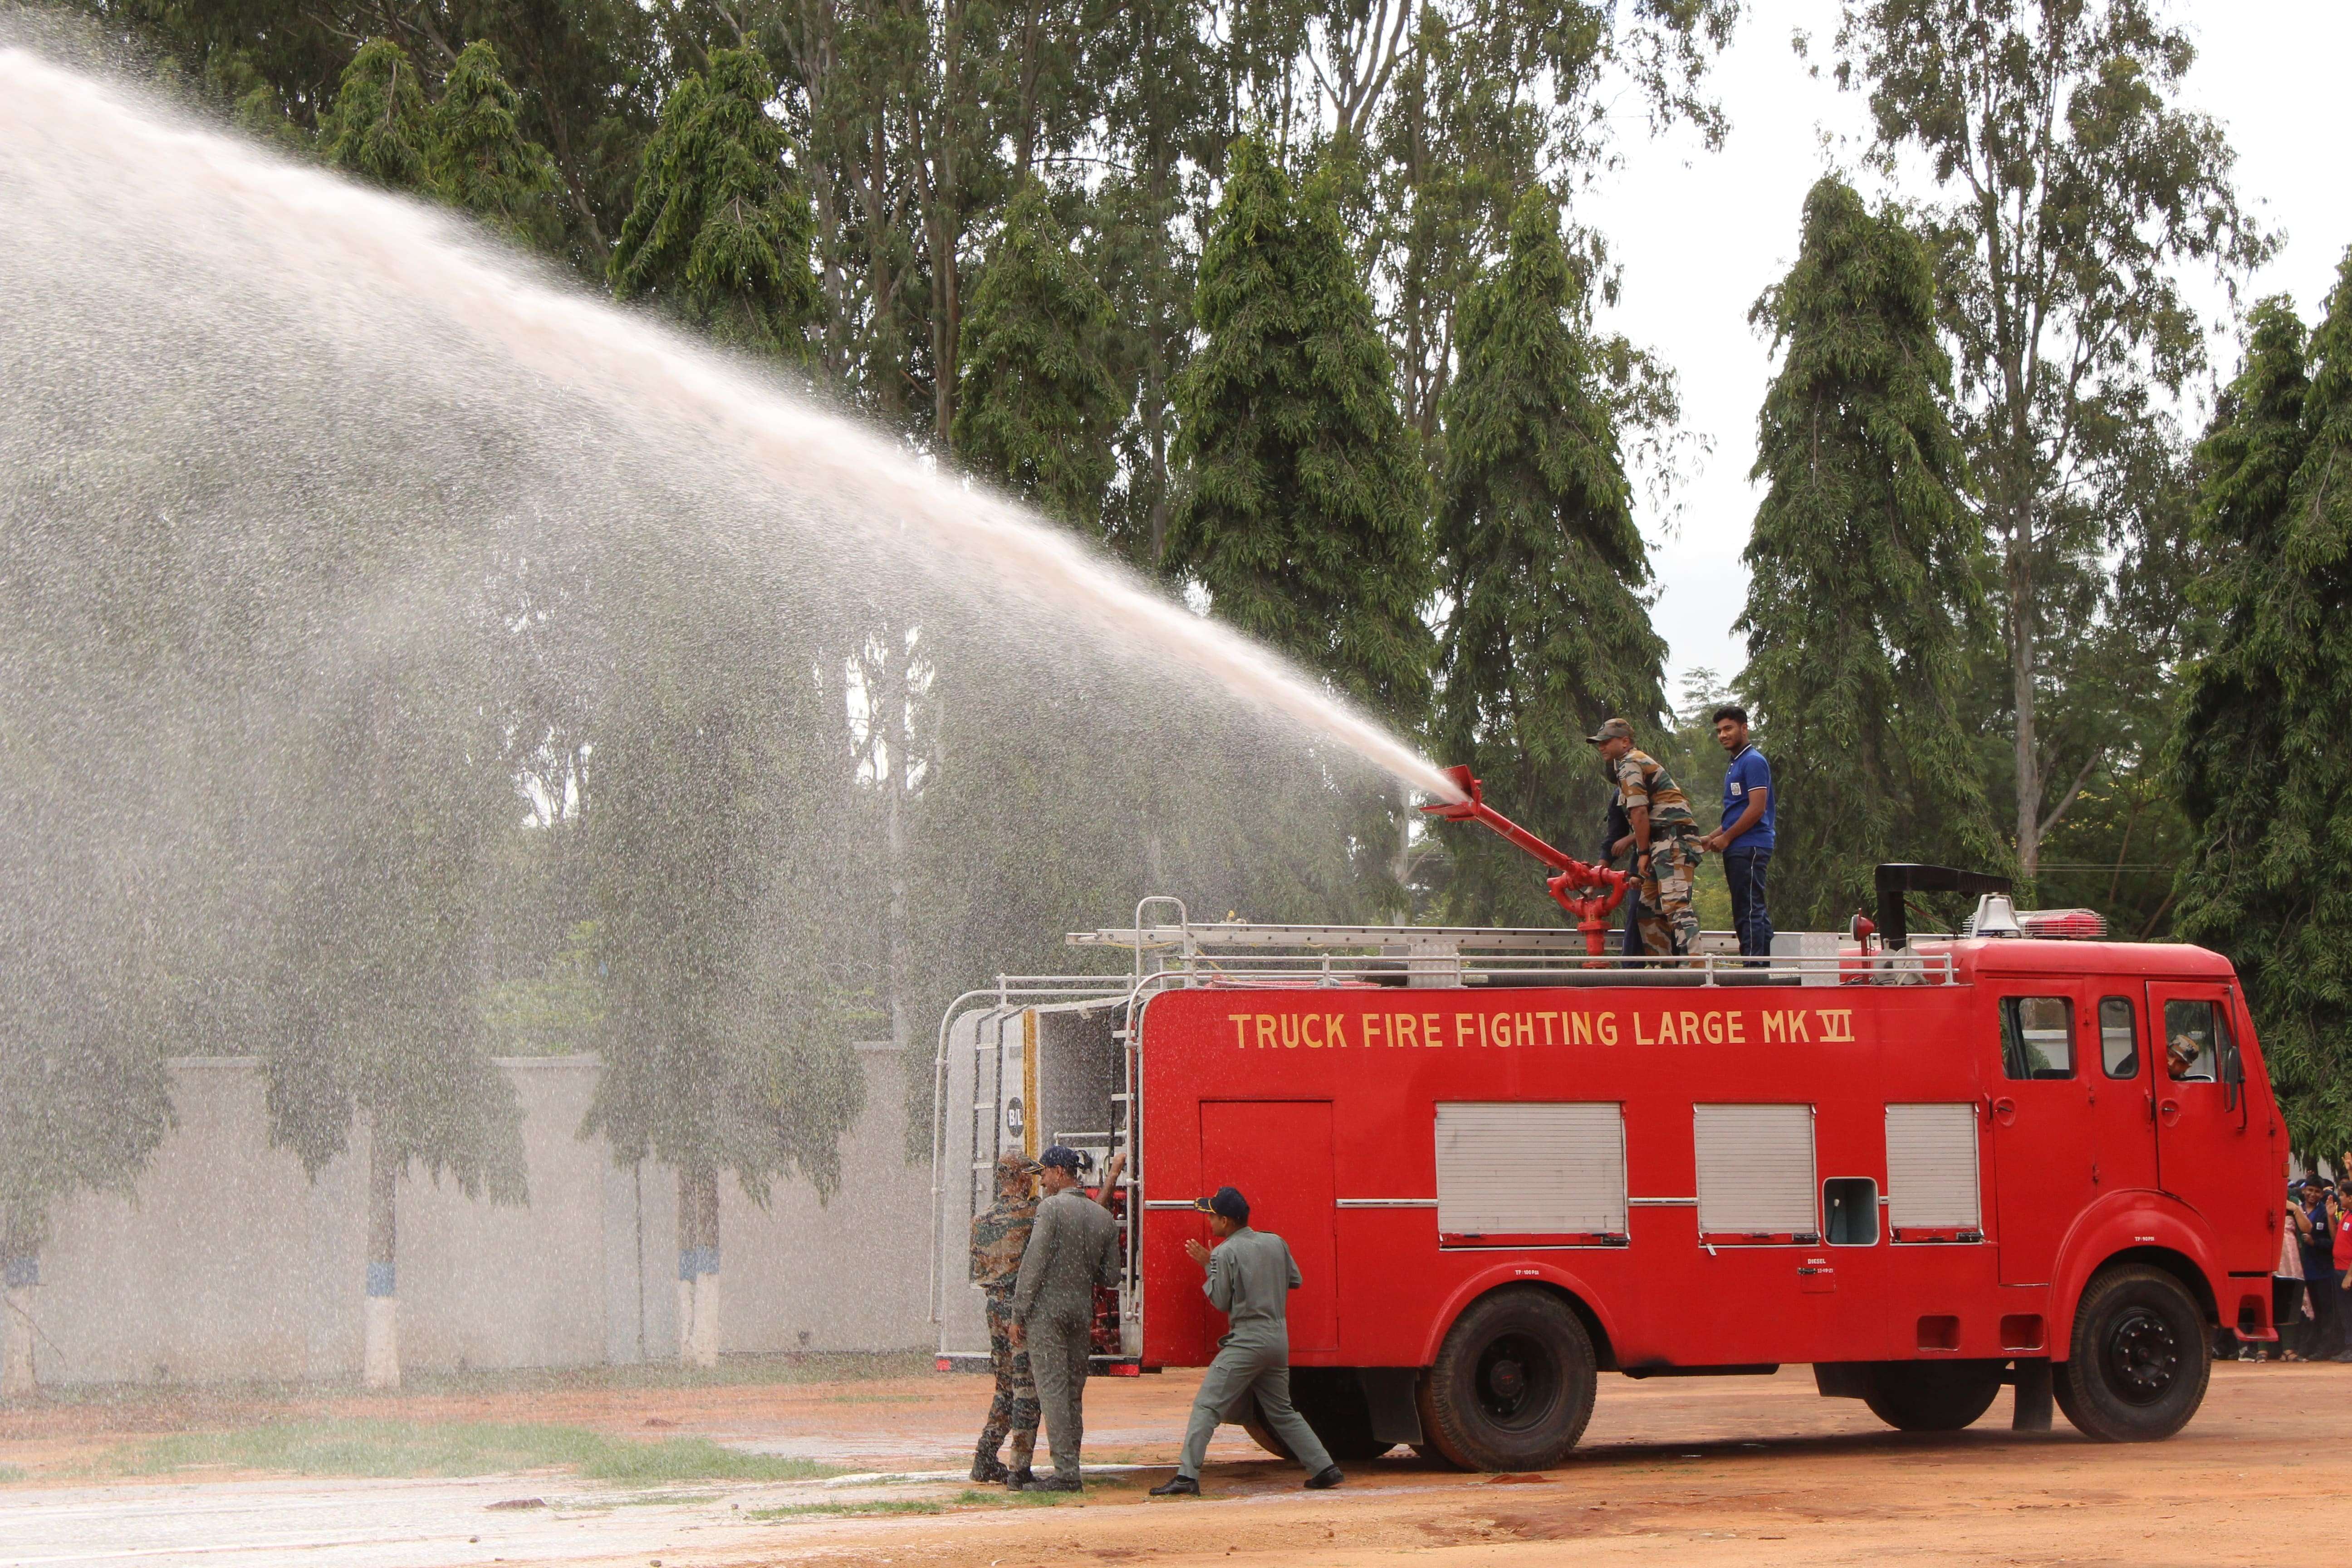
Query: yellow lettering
{"type": "Point", "coordinates": [1837, 1026]}
{"type": "Point", "coordinates": [1241, 1029]}
{"type": "Point", "coordinates": [1776, 1028]}
{"type": "Point", "coordinates": [1461, 1029]}
{"type": "Point", "coordinates": [1289, 1021]}
{"type": "Point", "coordinates": [1547, 1018]}
{"type": "Point", "coordinates": [1735, 1027]}
{"type": "Point", "coordinates": [1712, 1025]}
{"type": "Point", "coordinates": [1376, 1022]}
{"type": "Point", "coordinates": [1403, 1024]}
{"type": "Point", "coordinates": [1264, 1030]}
{"type": "Point", "coordinates": [1608, 1028]}
{"type": "Point", "coordinates": [1798, 1029]}
{"type": "Point", "coordinates": [1526, 1029]}
{"type": "Point", "coordinates": [1579, 1027]}
{"type": "Point", "coordinates": [1429, 1030]}
{"type": "Point", "coordinates": [1641, 1039]}
{"type": "Point", "coordinates": [1690, 1028]}
{"type": "Point", "coordinates": [1307, 1031]}
{"type": "Point", "coordinates": [1335, 1030]}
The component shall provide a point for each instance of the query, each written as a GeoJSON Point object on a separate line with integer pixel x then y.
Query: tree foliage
{"type": "Point", "coordinates": [1038, 405]}
{"type": "Point", "coordinates": [1543, 563]}
{"type": "Point", "coordinates": [1863, 600]}
{"type": "Point", "coordinates": [2261, 758]}
{"type": "Point", "coordinates": [720, 234]}
{"type": "Point", "coordinates": [376, 128]}
{"type": "Point", "coordinates": [1304, 509]}
{"type": "Point", "coordinates": [476, 157]}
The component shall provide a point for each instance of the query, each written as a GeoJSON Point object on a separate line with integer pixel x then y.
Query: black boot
{"type": "Point", "coordinates": [1325, 1479]}
{"type": "Point", "coordinates": [1057, 1482]}
{"type": "Point", "coordinates": [986, 1465]}
{"type": "Point", "coordinates": [1020, 1479]}
{"type": "Point", "coordinates": [1177, 1486]}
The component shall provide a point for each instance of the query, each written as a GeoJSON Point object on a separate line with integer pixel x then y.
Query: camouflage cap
{"type": "Point", "coordinates": [1614, 730]}
{"type": "Point", "coordinates": [1011, 1166]}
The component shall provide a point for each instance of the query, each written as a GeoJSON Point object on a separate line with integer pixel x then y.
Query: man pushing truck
{"type": "Point", "coordinates": [1251, 1276]}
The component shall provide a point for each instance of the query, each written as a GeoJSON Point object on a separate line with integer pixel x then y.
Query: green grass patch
{"type": "Point", "coordinates": [400, 1449]}
{"type": "Point", "coordinates": [850, 1510]}
{"type": "Point", "coordinates": [12, 1473]}
{"type": "Point", "coordinates": [1010, 1499]}
{"type": "Point", "coordinates": [657, 1499]}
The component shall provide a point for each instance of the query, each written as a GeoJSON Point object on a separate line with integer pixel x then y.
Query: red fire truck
{"type": "Point", "coordinates": [1929, 1168]}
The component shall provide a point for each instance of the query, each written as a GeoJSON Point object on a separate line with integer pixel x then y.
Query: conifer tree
{"type": "Point", "coordinates": [720, 232]}
{"type": "Point", "coordinates": [2261, 757]}
{"type": "Point", "coordinates": [1038, 405]}
{"type": "Point", "coordinates": [476, 156]}
{"type": "Point", "coordinates": [1304, 510]}
{"type": "Point", "coordinates": [1865, 597]}
{"type": "Point", "coordinates": [376, 127]}
{"type": "Point", "coordinates": [1539, 553]}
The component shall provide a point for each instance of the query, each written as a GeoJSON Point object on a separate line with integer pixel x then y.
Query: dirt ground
{"type": "Point", "coordinates": [1754, 1470]}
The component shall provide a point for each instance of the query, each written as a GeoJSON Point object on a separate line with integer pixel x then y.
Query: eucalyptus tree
{"type": "Point", "coordinates": [2075, 185]}
{"type": "Point", "coordinates": [1864, 600]}
{"type": "Point", "coordinates": [1540, 558]}
{"type": "Point", "coordinates": [2261, 757]}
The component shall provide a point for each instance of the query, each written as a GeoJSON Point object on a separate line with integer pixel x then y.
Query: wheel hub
{"type": "Point", "coordinates": [1519, 1380]}
{"type": "Point", "coordinates": [2142, 1356]}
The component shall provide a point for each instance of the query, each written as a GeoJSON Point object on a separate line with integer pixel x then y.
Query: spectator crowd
{"type": "Point", "coordinates": [2310, 1302]}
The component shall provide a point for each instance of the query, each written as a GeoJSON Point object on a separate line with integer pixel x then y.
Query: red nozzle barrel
{"type": "Point", "coordinates": [1588, 893]}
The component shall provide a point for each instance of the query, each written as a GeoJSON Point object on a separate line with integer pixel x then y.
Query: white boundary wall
{"type": "Point", "coordinates": [225, 1263]}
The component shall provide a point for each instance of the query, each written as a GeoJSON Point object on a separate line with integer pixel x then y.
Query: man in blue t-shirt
{"type": "Point", "coordinates": [1745, 839]}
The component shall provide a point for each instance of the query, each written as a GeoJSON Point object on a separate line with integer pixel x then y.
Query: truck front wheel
{"type": "Point", "coordinates": [2139, 1359]}
{"type": "Point", "coordinates": [1929, 1396]}
{"type": "Point", "coordinates": [1513, 1384]}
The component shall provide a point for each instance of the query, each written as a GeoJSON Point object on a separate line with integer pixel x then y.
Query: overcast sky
{"type": "Point", "coordinates": [1700, 235]}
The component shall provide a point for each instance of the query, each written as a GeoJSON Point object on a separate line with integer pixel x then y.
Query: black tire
{"type": "Point", "coordinates": [1513, 1385]}
{"type": "Point", "coordinates": [2140, 1360]}
{"type": "Point", "coordinates": [1931, 1395]}
{"type": "Point", "coordinates": [1332, 1402]}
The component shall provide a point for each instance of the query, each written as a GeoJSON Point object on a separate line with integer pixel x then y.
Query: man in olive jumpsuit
{"type": "Point", "coordinates": [1000, 1235]}
{"type": "Point", "coordinates": [1251, 1276]}
{"type": "Point", "coordinates": [1072, 1247]}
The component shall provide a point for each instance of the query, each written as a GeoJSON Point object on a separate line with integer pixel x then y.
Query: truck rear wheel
{"type": "Point", "coordinates": [2140, 1358]}
{"type": "Point", "coordinates": [1931, 1395]}
{"type": "Point", "coordinates": [1513, 1384]}
{"type": "Point", "coordinates": [1332, 1402]}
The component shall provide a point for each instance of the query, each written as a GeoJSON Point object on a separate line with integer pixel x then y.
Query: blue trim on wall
{"type": "Point", "coordinates": [382, 1280]}
{"type": "Point", "coordinates": [20, 1273]}
{"type": "Point", "coordinates": [697, 1260]}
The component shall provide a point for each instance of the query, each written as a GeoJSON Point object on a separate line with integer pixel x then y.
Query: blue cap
{"type": "Point", "coordinates": [1068, 1158]}
{"type": "Point", "coordinates": [1228, 1201]}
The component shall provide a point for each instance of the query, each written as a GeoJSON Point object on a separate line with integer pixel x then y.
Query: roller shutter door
{"type": "Point", "coordinates": [1754, 1171]}
{"type": "Point", "coordinates": [1931, 1168]}
{"type": "Point", "coordinates": [1521, 1170]}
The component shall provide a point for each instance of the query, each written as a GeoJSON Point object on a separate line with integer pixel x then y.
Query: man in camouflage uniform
{"type": "Point", "coordinates": [999, 1237]}
{"type": "Point", "coordinates": [1665, 840]}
